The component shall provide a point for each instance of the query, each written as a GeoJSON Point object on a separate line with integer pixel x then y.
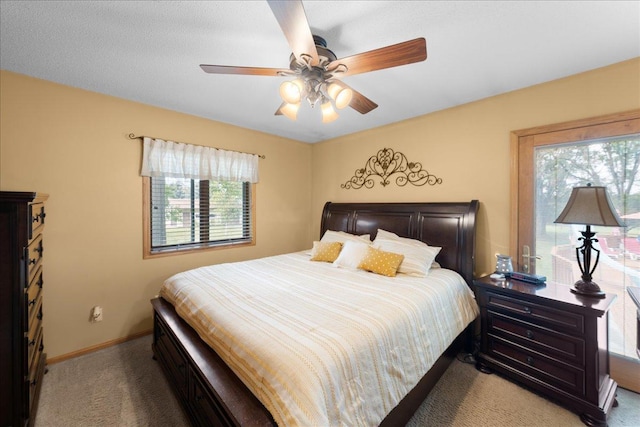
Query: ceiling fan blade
{"type": "Point", "coordinates": [293, 21]}
{"type": "Point", "coordinates": [386, 57]}
{"type": "Point", "coordinates": [247, 71]}
{"type": "Point", "coordinates": [359, 102]}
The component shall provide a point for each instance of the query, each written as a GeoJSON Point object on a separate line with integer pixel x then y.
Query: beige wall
{"type": "Point", "coordinates": [469, 148]}
{"type": "Point", "coordinates": [72, 144]}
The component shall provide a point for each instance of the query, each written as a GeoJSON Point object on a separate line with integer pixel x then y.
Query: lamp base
{"type": "Point", "coordinates": [590, 289]}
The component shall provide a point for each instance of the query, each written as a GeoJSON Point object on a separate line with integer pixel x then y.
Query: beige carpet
{"type": "Point", "coordinates": [123, 386]}
{"type": "Point", "coordinates": [467, 398]}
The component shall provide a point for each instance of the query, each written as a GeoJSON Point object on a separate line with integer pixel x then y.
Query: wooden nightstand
{"type": "Point", "coordinates": [550, 340]}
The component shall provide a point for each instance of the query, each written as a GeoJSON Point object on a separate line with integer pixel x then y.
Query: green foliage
{"type": "Point", "coordinates": [226, 202]}
{"type": "Point", "coordinates": [613, 163]}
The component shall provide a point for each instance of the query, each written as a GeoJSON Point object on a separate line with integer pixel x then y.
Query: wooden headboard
{"type": "Point", "coordinates": [452, 226]}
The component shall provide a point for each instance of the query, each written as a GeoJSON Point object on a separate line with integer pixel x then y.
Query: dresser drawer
{"type": "Point", "coordinates": [33, 257]}
{"type": "Point", "coordinates": [32, 296]}
{"type": "Point", "coordinates": [546, 341]}
{"type": "Point", "coordinates": [36, 219]}
{"type": "Point", "coordinates": [37, 355]}
{"type": "Point", "coordinates": [528, 361]}
{"type": "Point", "coordinates": [175, 360]}
{"type": "Point", "coordinates": [535, 313]}
{"type": "Point", "coordinates": [35, 374]}
{"type": "Point", "coordinates": [34, 337]}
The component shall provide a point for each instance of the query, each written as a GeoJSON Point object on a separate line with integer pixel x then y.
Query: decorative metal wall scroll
{"type": "Point", "coordinates": [386, 164]}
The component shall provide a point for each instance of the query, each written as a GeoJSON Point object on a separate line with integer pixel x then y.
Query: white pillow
{"type": "Point", "coordinates": [351, 254]}
{"type": "Point", "coordinates": [384, 234]}
{"type": "Point", "coordinates": [418, 256]}
{"type": "Point", "coordinates": [342, 237]}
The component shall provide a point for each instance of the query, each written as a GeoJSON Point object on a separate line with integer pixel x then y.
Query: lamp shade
{"type": "Point", "coordinates": [328, 113]}
{"type": "Point", "coordinates": [590, 205]}
{"type": "Point", "coordinates": [341, 95]}
{"type": "Point", "coordinates": [290, 110]}
{"type": "Point", "coordinates": [291, 92]}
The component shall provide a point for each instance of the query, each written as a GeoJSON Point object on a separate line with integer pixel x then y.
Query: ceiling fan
{"type": "Point", "coordinates": [317, 71]}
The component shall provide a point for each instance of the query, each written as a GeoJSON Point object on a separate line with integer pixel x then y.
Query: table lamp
{"type": "Point", "coordinates": [589, 205]}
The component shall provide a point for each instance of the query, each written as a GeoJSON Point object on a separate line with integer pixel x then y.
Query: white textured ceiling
{"type": "Point", "coordinates": [150, 51]}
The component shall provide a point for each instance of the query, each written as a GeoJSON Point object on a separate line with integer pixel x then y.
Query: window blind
{"type": "Point", "coordinates": [188, 213]}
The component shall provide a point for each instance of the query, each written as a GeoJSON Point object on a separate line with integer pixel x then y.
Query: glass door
{"type": "Point", "coordinates": [552, 162]}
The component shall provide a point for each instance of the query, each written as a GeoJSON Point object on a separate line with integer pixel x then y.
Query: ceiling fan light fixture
{"type": "Point", "coordinates": [291, 91]}
{"type": "Point", "coordinates": [341, 95]}
{"type": "Point", "coordinates": [328, 113]}
{"type": "Point", "coordinates": [290, 110]}
{"type": "Point", "coordinates": [315, 68]}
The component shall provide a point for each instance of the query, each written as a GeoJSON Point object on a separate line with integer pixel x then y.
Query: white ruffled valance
{"type": "Point", "coordinates": [177, 160]}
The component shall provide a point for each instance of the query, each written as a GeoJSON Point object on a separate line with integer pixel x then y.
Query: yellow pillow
{"type": "Point", "coordinates": [325, 251]}
{"type": "Point", "coordinates": [381, 262]}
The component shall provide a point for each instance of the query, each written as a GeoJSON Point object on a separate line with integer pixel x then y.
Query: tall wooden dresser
{"type": "Point", "coordinates": [22, 358]}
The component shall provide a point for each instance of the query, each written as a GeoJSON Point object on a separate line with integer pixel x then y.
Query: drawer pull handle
{"type": "Point", "coordinates": [529, 334]}
{"type": "Point", "coordinates": [37, 217]}
{"type": "Point", "coordinates": [38, 249]}
{"type": "Point", "coordinates": [199, 397]}
{"type": "Point", "coordinates": [530, 360]}
{"type": "Point", "coordinates": [33, 383]}
{"type": "Point", "coordinates": [32, 302]}
{"type": "Point", "coordinates": [32, 342]}
{"type": "Point", "coordinates": [527, 310]}
{"type": "Point", "coordinates": [32, 261]}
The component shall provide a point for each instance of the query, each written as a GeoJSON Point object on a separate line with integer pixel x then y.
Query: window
{"type": "Point", "coordinates": [550, 161]}
{"type": "Point", "coordinates": [196, 197]}
{"type": "Point", "coordinates": [184, 214]}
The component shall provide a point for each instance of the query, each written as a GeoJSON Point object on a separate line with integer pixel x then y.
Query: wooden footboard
{"type": "Point", "coordinates": [209, 392]}
{"type": "Point", "coordinates": [212, 395]}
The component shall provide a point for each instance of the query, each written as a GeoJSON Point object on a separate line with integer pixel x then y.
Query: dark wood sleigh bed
{"type": "Point", "coordinates": [212, 395]}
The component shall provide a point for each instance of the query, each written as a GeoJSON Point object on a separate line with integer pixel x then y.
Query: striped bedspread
{"type": "Point", "coordinates": [319, 345]}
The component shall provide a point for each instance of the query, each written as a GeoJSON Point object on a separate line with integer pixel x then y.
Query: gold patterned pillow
{"type": "Point", "coordinates": [381, 262]}
{"type": "Point", "coordinates": [325, 251]}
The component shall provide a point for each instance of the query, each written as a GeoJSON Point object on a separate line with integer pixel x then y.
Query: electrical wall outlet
{"type": "Point", "coordinates": [96, 314]}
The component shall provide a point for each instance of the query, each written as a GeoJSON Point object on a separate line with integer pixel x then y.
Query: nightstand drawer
{"type": "Point", "coordinates": [536, 313]}
{"type": "Point", "coordinates": [550, 371]}
{"type": "Point", "coordinates": [545, 341]}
